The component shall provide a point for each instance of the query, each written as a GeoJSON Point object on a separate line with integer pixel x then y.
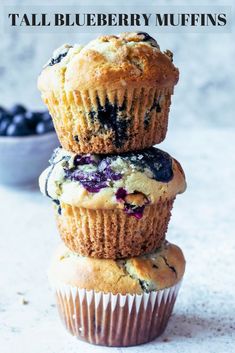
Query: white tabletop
{"type": "Point", "coordinates": [202, 224]}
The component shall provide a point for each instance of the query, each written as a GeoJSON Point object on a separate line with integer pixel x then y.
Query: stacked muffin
{"type": "Point", "coordinates": [116, 277]}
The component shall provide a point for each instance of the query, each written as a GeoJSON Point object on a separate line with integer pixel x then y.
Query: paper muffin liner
{"type": "Point", "coordinates": [103, 121]}
{"type": "Point", "coordinates": [112, 233]}
{"type": "Point", "coordinates": [115, 320]}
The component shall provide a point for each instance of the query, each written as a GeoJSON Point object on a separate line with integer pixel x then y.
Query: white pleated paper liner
{"type": "Point", "coordinates": [115, 320]}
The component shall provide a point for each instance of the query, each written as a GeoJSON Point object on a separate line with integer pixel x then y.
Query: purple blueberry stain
{"type": "Point", "coordinates": [111, 175]}
{"type": "Point", "coordinates": [82, 160]}
{"type": "Point", "coordinates": [135, 211]}
{"type": "Point", "coordinates": [121, 194]}
{"type": "Point", "coordinates": [92, 181]}
{"type": "Point", "coordinates": [112, 117]}
{"type": "Point", "coordinates": [130, 209]}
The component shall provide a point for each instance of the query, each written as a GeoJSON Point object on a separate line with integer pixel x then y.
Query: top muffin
{"type": "Point", "coordinates": [110, 62]}
{"type": "Point", "coordinates": [111, 95]}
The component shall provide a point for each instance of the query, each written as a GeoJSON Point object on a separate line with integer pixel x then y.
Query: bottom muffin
{"type": "Point", "coordinates": [117, 303]}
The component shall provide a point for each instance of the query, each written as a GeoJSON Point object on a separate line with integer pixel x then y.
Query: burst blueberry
{"type": "Point", "coordinates": [110, 118]}
{"type": "Point", "coordinates": [159, 162]}
{"type": "Point", "coordinates": [81, 160]}
{"type": "Point", "coordinates": [147, 38]}
{"type": "Point", "coordinates": [121, 194]}
{"type": "Point", "coordinates": [135, 211]}
{"type": "Point", "coordinates": [93, 181]}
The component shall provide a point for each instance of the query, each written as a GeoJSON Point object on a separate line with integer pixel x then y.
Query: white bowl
{"type": "Point", "coordinates": [23, 158]}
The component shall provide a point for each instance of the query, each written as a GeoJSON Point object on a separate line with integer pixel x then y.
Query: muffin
{"type": "Point", "coordinates": [113, 206]}
{"type": "Point", "coordinates": [117, 303]}
{"type": "Point", "coordinates": [112, 95]}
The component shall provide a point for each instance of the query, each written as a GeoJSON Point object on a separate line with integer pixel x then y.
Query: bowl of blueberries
{"type": "Point", "coordinates": [27, 139]}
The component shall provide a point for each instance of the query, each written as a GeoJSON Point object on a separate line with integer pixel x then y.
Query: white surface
{"type": "Point", "coordinates": [202, 224]}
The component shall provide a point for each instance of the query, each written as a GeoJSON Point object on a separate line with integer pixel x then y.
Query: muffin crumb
{"type": "Point", "coordinates": [23, 301]}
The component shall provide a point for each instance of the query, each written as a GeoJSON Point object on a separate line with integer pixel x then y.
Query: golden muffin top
{"type": "Point", "coordinates": [161, 269]}
{"type": "Point", "coordinates": [112, 61]}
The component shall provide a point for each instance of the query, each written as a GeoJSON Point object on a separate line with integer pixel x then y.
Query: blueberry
{"type": "Point", "coordinates": [111, 175]}
{"type": "Point", "coordinates": [105, 163]}
{"type": "Point", "coordinates": [92, 181]}
{"type": "Point", "coordinates": [147, 38]}
{"type": "Point", "coordinates": [81, 160]}
{"type": "Point", "coordinates": [50, 126]}
{"type": "Point", "coordinates": [19, 119]}
{"type": "Point", "coordinates": [59, 54]}
{"type": "Point", "coordinates": [159, 162]}
{"type": "Point", "coordinates": [18, 109]}
{"type": "Point", "coordinates": [33, 118]}
{"type": "Point", "coordinates": [135, 211]}
{"type": "Point", "coordinates": [2, 110]}
{"type": "Point", "coordinates": [109, 118]}
{"type": "Point", "coordinates": [57, 59]}
{"type": "Point", "coordinates": [156, 106]}
{"type": "Point", "coordinates": [19, 122]}
{"type": "Point", "coordinates": [41, 128]}
{"type": "Point", "coordinates": [44, 127]}
{"type": "Point", "coordinates": [4, 123]}
{"type": "Point", "coordinates": [5, 115]}
{"type": "Point", "coordinates": [121, 194]}
{"type": "Point", "coordinates": [18, 129]}
{"type": "Point", "coordinates": [45, 116]}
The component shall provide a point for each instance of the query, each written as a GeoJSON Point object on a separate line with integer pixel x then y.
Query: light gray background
{"type": "Point", "coordinates": [204, 95]}
{"type": "Point", "coordinates": [201, 136]}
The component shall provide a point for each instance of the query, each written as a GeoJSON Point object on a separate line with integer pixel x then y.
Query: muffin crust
{"type": "Point", "coordinates": [158, 270]}
{"type": "Point", "coordinates": [110, 61]}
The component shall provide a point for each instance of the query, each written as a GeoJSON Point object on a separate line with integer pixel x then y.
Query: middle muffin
{"type": "Point", "coordinates": [113, 206]}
